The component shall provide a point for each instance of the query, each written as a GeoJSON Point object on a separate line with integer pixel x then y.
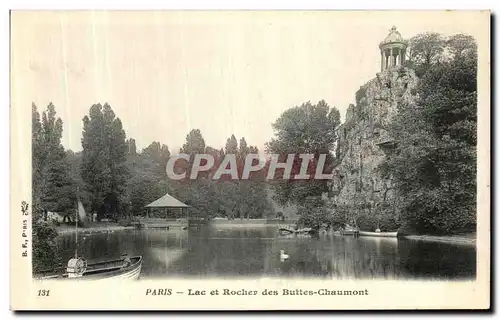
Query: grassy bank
{"type": "Point", "coordinates": [241, 223]}
{"type": "Point", "coordinates": [95, 227]}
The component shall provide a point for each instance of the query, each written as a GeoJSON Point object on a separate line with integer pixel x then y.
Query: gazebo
{"type": "Point", "coordinates": [172, 208]}
{"type": "Point", "coordinates": [393, 50]}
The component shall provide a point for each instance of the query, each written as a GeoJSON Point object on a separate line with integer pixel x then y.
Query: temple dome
{"type": "Point", "coordinates": [393, 37]}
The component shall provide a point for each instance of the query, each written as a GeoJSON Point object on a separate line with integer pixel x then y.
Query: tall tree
{"type": "Point", "coordinates": [308, 129]}
{"type": "Point", "coordinates": [104, 156]}
{"type": "Point", "coordinates": [231, 145]}
{"type": "Point", "coordinates": [53, 188]}
{"type": "Point", "coordinates": [194, 143]}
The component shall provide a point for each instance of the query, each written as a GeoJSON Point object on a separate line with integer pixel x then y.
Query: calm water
{"type": "Point", "coordinates": [229, 252]}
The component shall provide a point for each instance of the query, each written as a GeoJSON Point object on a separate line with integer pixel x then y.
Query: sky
{"type": "Point", "coordinates": [167, 72]}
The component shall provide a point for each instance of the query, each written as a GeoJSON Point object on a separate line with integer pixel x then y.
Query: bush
{"type": "Point", "coordinates": [339, 218]}
{"type": "Point", "coordinates": [45, 253]}
{"type": "Point", "coordinates": [314, 217]}
{"type": "Point", "coordinates": [435, 213]}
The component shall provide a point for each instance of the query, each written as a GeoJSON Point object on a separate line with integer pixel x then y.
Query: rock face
{"type": "Point", "coordinates": [364, 143]}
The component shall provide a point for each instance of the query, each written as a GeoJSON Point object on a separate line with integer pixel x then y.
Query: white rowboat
{"type": "Point", "coordinates": [120, 269]}
{"type": "Point", "coordinates": [378, 234]}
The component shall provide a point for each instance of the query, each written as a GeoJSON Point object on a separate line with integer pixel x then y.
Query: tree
{"type": "Point", "coordinates": [195, 144]}
{"type": "Point", "coordinates": [201, 193]}
{"type": "Point", "coordinates": [157, 151]}
{"type": "Point", "coordinates": [104, 157]}
{"type": "Point", "coordinates": [147, 176]}
{"type": "Point", "coordinates": [252, 193]}
{"type": "Point", "coordinates": [434, 164]}
{"type": "Point", "coordinates": [424, 50]}
{"type": "Point", "coordinates": [462, 46]}
{"type": "Point", "coordinates": [308, 129]}
{"type": "Point", "coordinates": [159, 154]}
{"type": "Point", "coordinates": [53, 188]}
{"type": "Point", "coordinates": [232, 145]}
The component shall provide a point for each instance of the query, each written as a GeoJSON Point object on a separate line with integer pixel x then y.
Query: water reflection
{"type": "Point", "coordinates": [255, 252]}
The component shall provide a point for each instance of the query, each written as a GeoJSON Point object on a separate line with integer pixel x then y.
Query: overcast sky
{"type": "Point", "coordinates": [165, 73]}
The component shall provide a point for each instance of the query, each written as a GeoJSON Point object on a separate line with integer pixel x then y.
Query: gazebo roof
{"type": "Point", "coordinates": [167, 201]}
{"type": "Point", "coordinates": [394, 37]}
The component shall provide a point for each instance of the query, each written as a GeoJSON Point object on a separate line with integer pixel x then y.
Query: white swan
{"type": "Point", "coordinates": [283, 256]}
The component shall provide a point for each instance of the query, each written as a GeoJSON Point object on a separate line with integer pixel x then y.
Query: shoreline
{"type": "Point", "coordinates": [94, 229]}
{"type": "Point", "coordinates": [444, 239]}
{"type": "Point", "coordinates": [451, 239]}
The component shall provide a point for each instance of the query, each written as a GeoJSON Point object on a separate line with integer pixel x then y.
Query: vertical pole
{"type": "Point", "coordinates": [76, 224]}
{"type": "Point", "coordinates": [76, 234]}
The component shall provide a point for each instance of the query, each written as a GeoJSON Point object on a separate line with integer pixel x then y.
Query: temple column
{"type": "Point", "coordinates": [381, 60]}
{"type": "Point", "coordinates": [391, 59]}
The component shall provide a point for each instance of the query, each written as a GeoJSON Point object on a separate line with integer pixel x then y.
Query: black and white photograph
{"type": "Point", "coordinates": [325, 146]}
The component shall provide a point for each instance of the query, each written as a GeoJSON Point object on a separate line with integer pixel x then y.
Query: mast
{"type": "Point", "coordinates": [76, 224]}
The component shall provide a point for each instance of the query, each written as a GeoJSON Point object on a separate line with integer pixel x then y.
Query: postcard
{"type": "Point", "coordinates": [250, 160]}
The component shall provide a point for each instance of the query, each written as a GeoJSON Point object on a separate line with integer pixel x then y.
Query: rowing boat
{"type": "Point", "coordinates": [291, 230]}
{"type": "Point", "coordinates": [378, 234]}
{"type": "Point", "coordinates": [349, 232]}
{"type": "Point", "coordinates": [78, 269]}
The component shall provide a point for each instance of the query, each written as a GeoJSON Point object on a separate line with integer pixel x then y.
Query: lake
{"type": "Point", "coordinates": [220, 252]}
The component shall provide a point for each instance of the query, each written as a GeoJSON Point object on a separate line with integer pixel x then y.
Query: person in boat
{"type": "Point", "coordinates": [126, 260]}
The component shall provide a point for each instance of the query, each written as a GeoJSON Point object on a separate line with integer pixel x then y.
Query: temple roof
{"type": "Point", "coordinates": [393, 37]}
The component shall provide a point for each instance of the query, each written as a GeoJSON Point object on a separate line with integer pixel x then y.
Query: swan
{"type": "Point", "coordinates": [283, 256]}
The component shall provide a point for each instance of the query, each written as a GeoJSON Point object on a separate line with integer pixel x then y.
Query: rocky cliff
{"type": "Point", "coordinates": [364, 143]}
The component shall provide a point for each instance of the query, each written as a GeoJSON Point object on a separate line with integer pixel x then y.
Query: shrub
{"type": "Point", "coordinates": [45, 253]}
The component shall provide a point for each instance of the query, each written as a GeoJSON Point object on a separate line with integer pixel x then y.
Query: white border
{"type": "Point", "coordinates": [186, 4]}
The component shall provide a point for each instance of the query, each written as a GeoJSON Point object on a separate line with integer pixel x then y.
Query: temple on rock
{"type": "Point", "coordinates": [365, 140]}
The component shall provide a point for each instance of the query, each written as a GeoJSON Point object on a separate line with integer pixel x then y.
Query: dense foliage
{"type": "Point", "coordinates": [434, 165]}
{"type": "Point", "coordinates": [117, 181]}
{"type": "Point", "coordinates": [224, 197]}
{"type": "Point", "coordinates": [308, 129]}
{"type": "Point", "coordinates": [45, 253]}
